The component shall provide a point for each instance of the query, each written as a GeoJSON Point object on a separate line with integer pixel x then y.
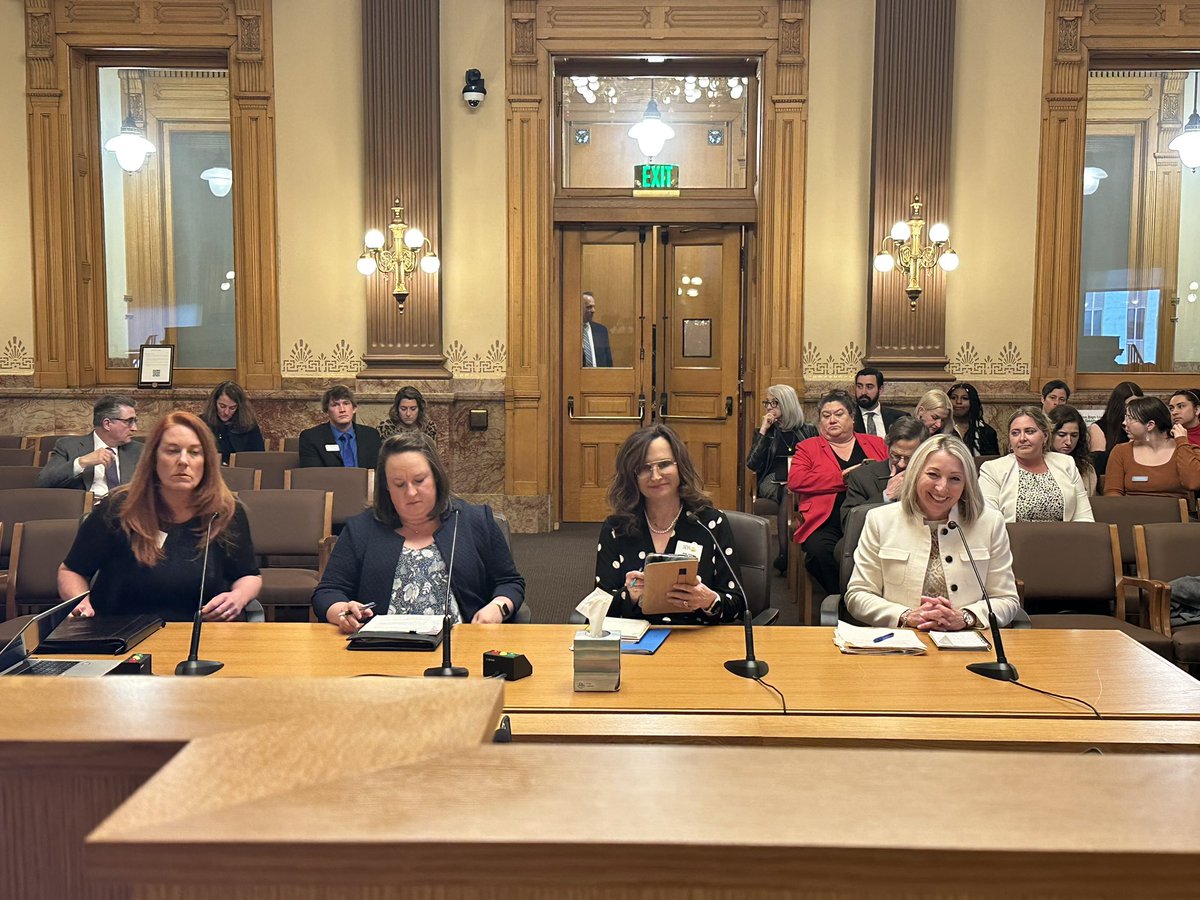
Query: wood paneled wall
{"type": "Point", "coordinates": [910, 154]}
{"type": "Point", "coordinates": [402, 120]}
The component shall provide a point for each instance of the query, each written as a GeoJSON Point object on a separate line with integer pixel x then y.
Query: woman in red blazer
{"type": "Point", "coordinates": [817, 476]}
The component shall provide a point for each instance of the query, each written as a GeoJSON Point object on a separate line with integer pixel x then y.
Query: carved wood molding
{"type": "Point", "coordinates": [59, 34]}
{"type": "Point", "coordinates": [1077, 31]}
{"type": "Point", "coordinates": [776, 31]}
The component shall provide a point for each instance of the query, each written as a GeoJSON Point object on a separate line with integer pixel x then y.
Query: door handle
{"type": "Point", "coordinates": [638, 418]}
{"type": "Point", "coordinates": [728, 413]}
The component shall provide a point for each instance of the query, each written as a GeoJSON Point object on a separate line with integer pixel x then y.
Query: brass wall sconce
{"type": "Point", "coordinates": [403, 257]}
{"type": "Point", "coordinates": [911, 256]}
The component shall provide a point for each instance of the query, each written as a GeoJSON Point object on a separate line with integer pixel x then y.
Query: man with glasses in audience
{"type": "Point", "coordinates": [880, 482]}
{"type": "Point", "coordinates": [102, 460]}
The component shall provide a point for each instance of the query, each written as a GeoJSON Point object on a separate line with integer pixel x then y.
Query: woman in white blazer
{"type": "Point", "coordinates": [1032, 483]}
{"type": "Point", "coordinates": [903, 580]}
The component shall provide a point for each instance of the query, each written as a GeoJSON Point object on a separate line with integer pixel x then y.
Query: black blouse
{"type": "Point", "coordinates": [618, 554]}
{"type": "Point", "coordinates": [171, 588]}
{"type": "Point", "coordinates": [229, 441]}
{"type": "Point", "coordinates": [772, 452]}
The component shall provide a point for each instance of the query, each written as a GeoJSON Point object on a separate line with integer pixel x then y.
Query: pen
{"type": "Point", "coordinates": [884, 637]}
{"type": "Point", "coordinates": [345, 612]}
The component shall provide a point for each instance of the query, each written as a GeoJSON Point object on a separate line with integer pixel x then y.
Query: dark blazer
{"type": "Point", "coordinates": [229, 441]}
{"type": "Point", "coordinates": [982, 440]}
{"type": "Point", "coordinates": [865, 485]}
{"type": "Point", "coordinates": [362, 566]}
{"type": "Point", "coordinates": [59, 471]}
{"type": "Point", "coordinates": [313, 441]}
{"type": "Point", "coordinates": [601, 346]}
{"type": "Point", "coordinates": [889, 414]}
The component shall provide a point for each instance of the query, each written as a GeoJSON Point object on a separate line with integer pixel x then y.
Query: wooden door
{"type": "Point", "coordinates": [674, 348]}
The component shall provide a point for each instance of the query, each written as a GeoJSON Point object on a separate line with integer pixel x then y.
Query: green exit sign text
{"type": "Point", "coordinates": [656, 177]}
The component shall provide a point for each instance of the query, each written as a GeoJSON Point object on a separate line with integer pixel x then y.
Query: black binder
{"type": "Point", "coordinates": [100, 634]}
{"type": "Point", "coordinates": [406, 641]}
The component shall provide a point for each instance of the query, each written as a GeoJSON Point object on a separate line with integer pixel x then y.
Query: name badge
{"type": "Point", "coordinates": [161, 539]}
{"type": "Point", "coordinates": [333, 448]}
{"type": "Point", "coordinates": [687, 548]}
{"type": "Point", "coordinates": [1139, 477]}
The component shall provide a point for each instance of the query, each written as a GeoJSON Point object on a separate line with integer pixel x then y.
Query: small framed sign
{"type": "Point", "coordinates": [156, 365]}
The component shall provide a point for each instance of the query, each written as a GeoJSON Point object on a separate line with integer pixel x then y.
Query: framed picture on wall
{"type": "Point", "coordinates": [156, 365]}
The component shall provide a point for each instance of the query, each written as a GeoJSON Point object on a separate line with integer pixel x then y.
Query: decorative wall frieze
{"type": "Point", "coordinates": [493, 362]}
{"type": "Point", "coordinates": [341, 360]}
{"type": "Point", "coordinates": [1008, 360]}
{"type": "Point", "coordinates": [15, 359]}
{"type": "Point", "coordinates": [832, 365]}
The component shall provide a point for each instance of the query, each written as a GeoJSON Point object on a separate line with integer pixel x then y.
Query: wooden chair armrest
{"type": "Point", "coordinates": [324, 549]}
{"type": "Point", "coordinates": [1155, 599]}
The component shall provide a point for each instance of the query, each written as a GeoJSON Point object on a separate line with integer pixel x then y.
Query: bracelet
{"type": "Point", "coordinates": [903, 621]}
{"type": "Point", "coordinates": [712, 607]}
{"type": "Point", "coordinates": [505, 611]}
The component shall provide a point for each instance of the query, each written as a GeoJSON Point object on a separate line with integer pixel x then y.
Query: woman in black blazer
{"type": "Point", "coordinates": [967, 408]}
{"type": "Point", "coordinates": [397, 554]}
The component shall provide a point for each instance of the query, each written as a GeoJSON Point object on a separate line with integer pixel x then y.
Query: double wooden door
{"type": "Point", "coordinates": [663, 345]}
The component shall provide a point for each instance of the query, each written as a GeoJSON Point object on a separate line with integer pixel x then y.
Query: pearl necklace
{"type": "Point", "coordinates": [670, 528]}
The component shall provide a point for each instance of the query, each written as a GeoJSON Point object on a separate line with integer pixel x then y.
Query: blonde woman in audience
{"type": "Point", "coordinates": [1068, 436]}
{"type": "Point", "coordinates": [1031, 484]}
{"type": "Point", "coordinates": [935, 411]}
{"type": "Point", "coordinates": [910, 568]}
{"type": "Point", "coordinates": [1157, 459]}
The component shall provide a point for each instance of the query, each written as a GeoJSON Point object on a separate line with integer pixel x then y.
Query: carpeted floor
{"type": "Point", "coordinates": [560, 570]}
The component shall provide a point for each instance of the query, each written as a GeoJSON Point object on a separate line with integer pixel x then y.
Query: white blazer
{"type": "Point", "coordinates": [893, 554]}
{"type": "Point", "coordinates": [999, 479]}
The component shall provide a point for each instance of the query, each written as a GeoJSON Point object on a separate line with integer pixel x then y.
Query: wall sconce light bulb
{"type": "Point", "coordinates": [939, 232]}
{"type": "Point", "coordinates": [229, 274]}
{"type": "Point", "coordinates": [696, 279]}
{"type": "Point", "coordinates": [430, 263]}
{"type": "Point", "coordinates": [901, 232]}
{"type": "Point", "coordinates": [374, 239]}
{"type": "Point", "coordinates": [884, 262]}
{"type": "Point", "coordinates": [948, 261]}
{"type": "Point", "coordinates": [366, 264]}
{"type": "Point", "coordinates": [413, 238]}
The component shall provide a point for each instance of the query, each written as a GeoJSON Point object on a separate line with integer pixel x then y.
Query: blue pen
{"type": "Point", "coordinates": [884, 637]}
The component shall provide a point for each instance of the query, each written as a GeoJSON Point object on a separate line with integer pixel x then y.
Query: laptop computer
{"type": "Point", "coordinates": [15, 655]}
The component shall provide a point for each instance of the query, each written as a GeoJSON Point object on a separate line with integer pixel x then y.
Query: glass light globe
{"type": "Point", "coordinates": [1187, 145]}
{"type": "Point", "coordinates": [374, 239]}
{"type": "Point", "coordinates": [220, 180]}
{"type": "Point", "coordinates": [225, 285]}
{"type": "Point", "coordinates": [686, 279]}
{"type": "Point", "coordinates": [652, 133]}
{"type": "Point", "coordinates": [693, 292]}
{"type": "Point", "coordinates": [430, 263]}
{"type": "Point", "coordinates": [229, 274]}
{"type": "Point", "coordinates": [366, 264]}
{"type": "Point", "coordinates": [1194, 286]}
{"type": "Point", "coordinates": [413, 238]}
{"type": "Point", "coordinates": [939, 232]}
{"type": "Point", "coordinates": [131, 150]}
{"type": "Point", "coordinates": [901, 232]}
{"type": "Point", "coordinates": [884, 262]}
{"type": "Point", "coordinates": [948, 261]}
{"type": "Point", "coordinates": [696, 279]}
{"type": "Point", "coordinates": [1091, 179]}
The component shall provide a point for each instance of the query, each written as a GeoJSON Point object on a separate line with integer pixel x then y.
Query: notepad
{"type": "Point", "coordinates": [959, 640]}
{"type": "Point", "coordinates": [857, 639]}
{"type": "Point", "coordinates": [391, 626]}
{"type": "Point", "coordinates": [650, 642]}
{"type": "Point", "coordinates": [631, 629]}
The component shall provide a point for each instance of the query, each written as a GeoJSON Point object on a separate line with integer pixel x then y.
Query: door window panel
{"type": "Point", "coordinates": [609, 274]}
{"type": "Point", "coordinates": [696, 307]}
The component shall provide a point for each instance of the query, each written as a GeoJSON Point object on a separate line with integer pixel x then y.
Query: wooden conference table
{"type": "Point", "coordinates": [683, 693]}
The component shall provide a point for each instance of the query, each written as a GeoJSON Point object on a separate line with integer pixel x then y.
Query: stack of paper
{"type": "Point", "coordinates": [857, 639]}
{"type": "Point", "coordinates": [397, 633]}
{"type": "Point", "coordinates": [959, 640]}
{"type": "Point", "coordinates": [631, 629]}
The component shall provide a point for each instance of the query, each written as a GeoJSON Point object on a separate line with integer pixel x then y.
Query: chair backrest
{"type": "Point", "coordinates": [1065, 561]}
{"type": "Point", "coordinates": [1167, 550]}
{"type": "Point", "coordinates": [349, 487]}
{"type": "Point", "coordinates": [856, 519]}
{"type": "Point", "coordinates": [27, 504]}
{"type": "Point", "coordinates": [39, 547]}
{"type": "Point", "coordinates": [291, 444]}
{"type": "Point", "coordinates": [241, 479]}
{"type": "Point", "coordinates": [502, 521]}
{"type": "Point", "coordinates": [288, 523]}
{"type": "Point", "coordinates": [980, 460]}
{"type": "Point", "coordinates": [1133, 509]}
{"type": "Point", "coordinates": [18, 456]}
{"type": "Point", "coordinates": [43, 444]}
{"type": "Point", "coordinates": [18, 477]}
{"type": "Point", "coordinates": [272, 464]}
{"type": "Point", "coordinates": [12, 440]}
{"type": "Point", "coordinates": [752, 542]}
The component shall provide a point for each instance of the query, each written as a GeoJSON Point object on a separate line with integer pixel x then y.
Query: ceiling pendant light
{"type": "Point", "coordinates": [130, 146]}
{"type": "Point", "coordinates": [652, 132]}
{"type": "Point", "coordinates": [1187, 145]}
{"type": "Point", "coordinates": [220, 180]}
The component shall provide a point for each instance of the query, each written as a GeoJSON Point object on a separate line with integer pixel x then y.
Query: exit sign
{"type": "Point", "coordinates": [656, 177]}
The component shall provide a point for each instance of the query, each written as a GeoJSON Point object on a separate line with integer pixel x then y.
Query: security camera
{"type": "Point", "coordinates": [474, 92]}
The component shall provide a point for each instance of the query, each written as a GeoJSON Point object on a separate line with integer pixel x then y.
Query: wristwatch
{"type": "Point", "coordinates": [505, 610]}
{"type": "Point", "coordinates": [970, 619]}
{"type": "Point", "coordinates": [712, 607]}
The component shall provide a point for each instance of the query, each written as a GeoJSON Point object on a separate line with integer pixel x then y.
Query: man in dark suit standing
{"type": "Point", "coordinates": [340, 441]}
{"type": "Point", "coordinates": [870, 417]}
{"type": "Point", "coordinates": [101, 460]}
{"type": "Point", "coordinates": [597, 354]}
{"type": "Point", "coordinates": [880, 481]}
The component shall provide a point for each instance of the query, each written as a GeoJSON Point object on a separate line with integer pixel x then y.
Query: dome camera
{"type": "Point", "coordinates": [474, 92]}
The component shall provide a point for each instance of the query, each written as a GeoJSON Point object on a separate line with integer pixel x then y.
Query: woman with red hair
{"type": "Point", "coordinates": [145, 545]}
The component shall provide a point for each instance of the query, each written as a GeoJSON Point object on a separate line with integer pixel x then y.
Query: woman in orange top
{"type": "Point", "coordinates": [817, 476]}
{"type": "Point", "coordinates": [1157, 459]}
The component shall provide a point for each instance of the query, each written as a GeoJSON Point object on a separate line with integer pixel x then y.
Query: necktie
{"type": "Point", "coordinates": [111, 476]}
{"type": "Point", "coordinates": [935, 576]}
{"type": "Point", "coordinates": [589, 355]}
{"type": "Point", "coordinates": [349, 459]}
{"type": "Point", "coordinates": [870, 423]}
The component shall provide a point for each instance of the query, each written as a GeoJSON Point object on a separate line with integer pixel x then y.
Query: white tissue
{"type": "Point", "coordinates": [594, 607]}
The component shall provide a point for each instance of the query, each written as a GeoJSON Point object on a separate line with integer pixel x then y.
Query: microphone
{"type": "Point", "coordinates": [1001, 669]}
{"type": "Point", "coordinates": [192, 665]}
{"type": "Point", "coordinates": [447, 669]}
{"type": "Point", "coordinates": [748, 667]}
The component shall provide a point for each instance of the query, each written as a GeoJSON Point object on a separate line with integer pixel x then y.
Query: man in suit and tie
{"type": "Point", "coordinates": [870, 417]}
{"type": "Point", "coordinates": [339, 441]}
{"type": "Point", "coordinates": [880, 481]}
{"type": "Point", "coordinates": [101, 460]}
{"type": "Point", "coordinates": [597, 354]}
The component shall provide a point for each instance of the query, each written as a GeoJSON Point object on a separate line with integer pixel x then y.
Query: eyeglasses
{"type": "Point", "coordinates": [131, 421]}
{"type": "Point", "coordinates": [662, 467]}
{"type": "Point", "coordinates": [770, 404]}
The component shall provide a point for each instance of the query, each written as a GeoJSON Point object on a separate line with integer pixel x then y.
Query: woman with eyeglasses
{"type": "Point", "coordinates": [1068, 436]}
{"type": "Point", "coordinates": [1157, 459]}
{"type": "Point", "coordinates": [978, 435]}
{"type": "Point", "coordinates": [782, 428]}
{"type": "Point", "coordinates": [230, 416]}
{"type": "Point", "coordinates": [1185, 410]}
{"type": "Point", "coordinates": [658, 506]}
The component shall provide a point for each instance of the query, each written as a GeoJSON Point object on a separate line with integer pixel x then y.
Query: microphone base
{"type": "Point", "coordinates": [446, 672]}
{"type": "Point", "coordinates": [198, 667]}
{"type": "Point", "coordinates": [1000, 671]}
{"type": "Point", "coordinates": [748, 668]}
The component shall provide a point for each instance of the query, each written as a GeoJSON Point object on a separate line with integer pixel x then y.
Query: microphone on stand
{"type": "Point", "coordinates": [192, 665]}
{"type": "Point", "coordinates": [1001, 669]}
{"type": "Point", "coordinates": [447, 669]}
{"type": "Point", "coordinates": [748, 667]}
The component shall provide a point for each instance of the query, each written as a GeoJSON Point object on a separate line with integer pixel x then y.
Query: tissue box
{"type": "Point", "coordinates": [597, 661]}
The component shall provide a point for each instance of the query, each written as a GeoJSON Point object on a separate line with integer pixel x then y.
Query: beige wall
{"type": "Point", "coordinates": [16, 246]}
